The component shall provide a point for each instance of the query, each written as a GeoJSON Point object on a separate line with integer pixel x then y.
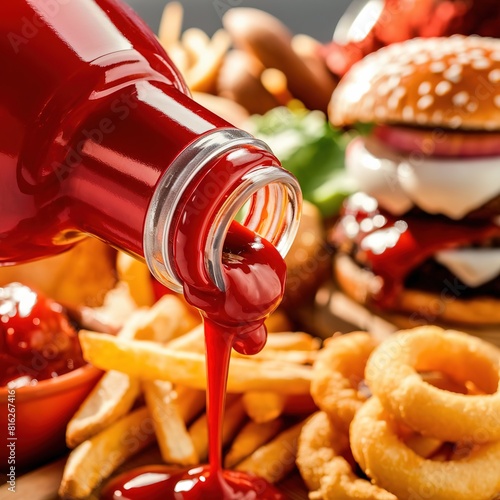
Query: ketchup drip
{"type": "Point", "coordinates": [392, 247]}
{"type": "Point", "coordinates": [254, 277]}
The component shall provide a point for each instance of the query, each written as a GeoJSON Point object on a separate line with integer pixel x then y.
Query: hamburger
{"type": "Point", "coordinates": [422, 236]}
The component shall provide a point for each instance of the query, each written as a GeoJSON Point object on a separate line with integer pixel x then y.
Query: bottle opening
{"type": "Point", "coordinates": [267, 200]}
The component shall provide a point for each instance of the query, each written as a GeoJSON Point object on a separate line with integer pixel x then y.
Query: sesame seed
{"type": "Point", "coordinates": [461, 98]}
{"type": "Point", "coordinates": [421, 118]}
{"type": "Point", "coordinates": [443, 88]}
{"type": "Point", "coordinates": [494, 76]}
{"type": "Point", "coordinates": [369, 101]}
{"type": "Point", "coordinates": [425, 102]}
{"type": "Point", "coordinates": [437, 67]}
{"type": "Point", "coordinates": [471, 107]}
{"type": "Point", "coordinates": [424, 88]}
{"type": "Point", "coordinates": [481, 63]}
{"type": "Point", "coordinates": [453, 73]}
{"type": "Point", "coordinates": [463, 58]}
{"type": "Point", "coordinates": [380, 111]}
{"type": "Point", "coordinates": [408, 113]}
{"type": "Point", "coordinates": [437, 116]}
{"type": "Point", "coordinates": [491, 125]}
{"type": "Point", "coordinates": [495, 56]}
{"type": "Point", "coordinates": [421, 58]}
{"type": "Point", "coordinates": [477, 53]}
{"type": "Point", "coordinates": [455, 121]}
{"type": "Point", "coordinates": [496, 100]}
{"type": "Point", "coordinates": [393, 82]}
{"type": "Point", "coordinates": [383, 89]}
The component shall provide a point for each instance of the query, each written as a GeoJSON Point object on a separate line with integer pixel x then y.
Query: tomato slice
{"type": "Point", "coordinates": [439, 142]}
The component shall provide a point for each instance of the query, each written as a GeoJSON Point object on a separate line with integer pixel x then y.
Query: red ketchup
{"type": "Point", "coordinates": [254, 278]}
{"type": "Point", "coordinates": [393, 247]}
{"type": "Point", "coordinates": [37, 341]}
{"type": "Point", "coordinates": [98, 136]}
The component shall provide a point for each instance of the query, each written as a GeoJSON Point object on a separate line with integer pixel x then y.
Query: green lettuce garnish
{"type": "Point", "coordinates": [308, 146]}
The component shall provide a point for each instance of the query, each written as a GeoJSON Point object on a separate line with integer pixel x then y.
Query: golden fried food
{"type": "Point", "coordinates": [392, 374]}
{"type": "Point", "coordinates": [276, 459]}
{"type": "Point", "coordinates": [252, 436]}
{"type": "Point", "coordinates": [321, 462]}
{"type": "Point", "coordinates": [145, 359]}
{"type": "Point", "coordinates": [95, 459]}
{"type": "Point", "coordinates": [338, 374]}
{"type": "Point", "coordinates": [381, 453]}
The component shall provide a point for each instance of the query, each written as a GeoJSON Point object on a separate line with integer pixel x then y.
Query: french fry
{"type": "Point", "coordinates": [276, 459]}
{"type": "Point", "coordinates": [278, 322]}
{"type": "Point", "coordinates": [293, 341]}
{"type": "Point", "coordinates": [97, 458]}
{"type": "Point", "coordinates": [289, 356]}
{"type": "Point", "coordinates": [275, 83]}
{"type": "Point", "coordinates": [167, 319]}
{"type": "Point", "coordinates": [175, 443]}
{"type": "Point", "coordinates": [263, 406]}
{"type": "Point", "coordinates": [179, 57]}
{"type": "Point", "coordinates": [190, 402]}
{"type": "Point", "coordinates": [171, 24]}
{"type": "Point", "coordinates": [136, 274]}
{"type": "Point", "coordinates": [250, 438]}
{"type": "Point", "coordinates": [289, 347]}
{"type": "Point", "coordinates": [299, 404]}
{"type": "Point", "coordinates": [118, 305]}
{"type": "Point", "coordinates": [115, 393]}
{"type": "Point", "coordinates": [201, 76]}
{"type": "Point", "coordinates": [150, 361]}
{"type": "Point", "coordinates": [111, 398]}
{"type": "Point", "coordinates": [195, 43]}
{"type": "Point", "coordinates": [192, 341]}
{"type": "Point", "coordinates": [233, 420]}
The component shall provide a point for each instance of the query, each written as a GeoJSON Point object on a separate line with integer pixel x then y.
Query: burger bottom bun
{"type": "Point", "coordinates": [420, 307]}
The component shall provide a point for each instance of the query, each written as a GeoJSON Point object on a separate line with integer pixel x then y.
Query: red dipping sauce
{"type": "Point", "coordinates": [254, 275]}
{"type": "Point", "coordinates": [37, 342]}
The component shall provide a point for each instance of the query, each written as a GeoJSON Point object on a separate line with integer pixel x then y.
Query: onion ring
{"type": "Point", "coordinates": [327, 474]}
{"type": "Point", "coordinates": [337, 374]}
{"type": "Point", "coordinates": [393, 466]}
{"type": "Point", "coordinates": [391, 373]}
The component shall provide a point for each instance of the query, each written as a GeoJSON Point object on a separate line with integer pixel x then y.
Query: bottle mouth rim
{"type": "Point", "coordinates": [269, 183]}
{"type": "Point", "coordinates": [280, 229]}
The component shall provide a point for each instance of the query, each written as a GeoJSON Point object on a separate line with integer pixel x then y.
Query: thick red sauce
{"type": "Point", "coordinates": [394, 246]}
{"type": "Point", "coordinates": [254, 275]}
{"type": "Point", "coordinates": [81, 153]}
{"type": "Point", "coordinates": [37, 341]}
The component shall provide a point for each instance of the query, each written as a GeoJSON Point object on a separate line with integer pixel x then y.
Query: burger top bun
{"type": "Point", "coordinates": [452, 83]}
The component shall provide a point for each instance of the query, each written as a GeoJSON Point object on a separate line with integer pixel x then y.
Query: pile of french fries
{"type": "Point", "coordinates": [154, 390]}
{"type": "Point", "coordinates": [197, 56]}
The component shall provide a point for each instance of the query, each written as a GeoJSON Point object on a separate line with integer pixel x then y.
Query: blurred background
{"type": "Point", "coordinates": [313, 17]}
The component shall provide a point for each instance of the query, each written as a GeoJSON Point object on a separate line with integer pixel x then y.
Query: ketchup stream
{"type": "Point", "coordinates": [254, 275]}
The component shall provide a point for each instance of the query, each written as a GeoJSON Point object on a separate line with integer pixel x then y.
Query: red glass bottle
{"type": "Point", "coordinates": [99, 136]}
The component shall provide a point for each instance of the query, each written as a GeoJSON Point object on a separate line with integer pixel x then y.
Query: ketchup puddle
{"type": "Point", "coordinates": [254, 275]}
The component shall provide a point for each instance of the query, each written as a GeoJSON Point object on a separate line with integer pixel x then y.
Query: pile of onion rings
{"type": "Point", "coordinates": [430, 430]}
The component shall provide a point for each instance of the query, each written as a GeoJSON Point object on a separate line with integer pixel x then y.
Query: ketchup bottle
{"type": "Point", "coordinates": [98, 136]}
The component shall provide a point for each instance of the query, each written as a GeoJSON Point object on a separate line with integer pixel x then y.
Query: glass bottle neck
{"type": "Point", "coordinates": [122, 151]}
{"type": "Point", "coordinates": [225, 174]}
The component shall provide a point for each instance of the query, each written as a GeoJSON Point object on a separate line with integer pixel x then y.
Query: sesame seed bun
{"type": "Point", "coordinates": [452, 83]}
{"type": "Point", "coordinates": [362, 285]}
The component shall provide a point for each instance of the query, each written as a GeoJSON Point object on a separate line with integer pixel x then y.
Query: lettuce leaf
{"type": "Point", "coordinates": [308, 146]}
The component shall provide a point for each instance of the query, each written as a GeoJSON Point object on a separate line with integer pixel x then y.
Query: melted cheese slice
{"type": "Point", "coordinates": [473, 266]}
{"type": "Point", "coordinates": [450, 186]}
